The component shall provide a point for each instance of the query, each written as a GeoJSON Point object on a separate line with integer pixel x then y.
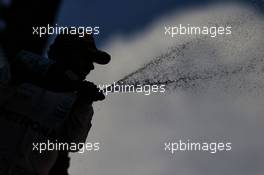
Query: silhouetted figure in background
{"type": "Point", "coordinates": [21, 89]}
{"type": "Point", "coordinates": [47, 99]}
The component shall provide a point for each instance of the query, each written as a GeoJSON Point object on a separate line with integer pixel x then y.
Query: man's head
{"type": "Point", "coordinates": [77, 53]}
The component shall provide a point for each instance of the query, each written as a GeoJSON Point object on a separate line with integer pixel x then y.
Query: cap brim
{"type": "Point", "coordinates": [99, 56]}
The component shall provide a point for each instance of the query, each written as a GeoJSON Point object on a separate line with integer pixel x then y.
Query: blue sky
{"type": "Point", "coordinates": [124, 17]}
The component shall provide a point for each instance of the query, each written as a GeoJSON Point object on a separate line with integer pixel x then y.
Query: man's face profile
{"type": "Point", "coordinates": [82, 67]}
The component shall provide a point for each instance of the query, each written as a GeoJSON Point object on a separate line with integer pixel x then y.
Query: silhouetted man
{"type": "Point", "coordinates": [65, 51]}
{"type": "Point", "coordinates": [47, 100]}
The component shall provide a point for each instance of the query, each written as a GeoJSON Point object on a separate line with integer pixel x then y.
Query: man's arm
{"type": "Point", "coordinates": [76, 126]}
{"type": "Point", "coordinates": [78, 123]}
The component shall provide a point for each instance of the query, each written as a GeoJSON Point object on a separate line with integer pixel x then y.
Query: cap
{"type": "Point", "coordinates": [84, 46]}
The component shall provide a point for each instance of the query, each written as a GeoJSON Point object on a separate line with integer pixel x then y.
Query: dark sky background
{"type": "Point", "coordinates": [126, 17]}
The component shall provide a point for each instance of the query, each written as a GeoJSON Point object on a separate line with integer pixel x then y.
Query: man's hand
{"type": "Point", "coordinates": [89, 92]}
